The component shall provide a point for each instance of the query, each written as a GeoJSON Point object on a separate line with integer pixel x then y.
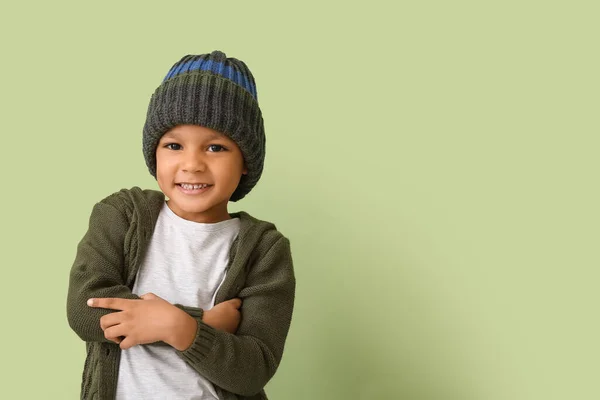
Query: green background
{"type": "Point", "coordinates": [434, 165]}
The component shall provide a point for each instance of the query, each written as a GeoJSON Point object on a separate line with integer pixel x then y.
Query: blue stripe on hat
{"type": "Point", "coordinates": [215, 67]}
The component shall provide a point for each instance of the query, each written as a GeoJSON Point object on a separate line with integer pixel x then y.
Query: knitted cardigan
{"type": "Point", "coordinates": [260, 272]}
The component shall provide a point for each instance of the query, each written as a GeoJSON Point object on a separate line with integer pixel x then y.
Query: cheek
{"type": "Point", "coordinates": [163, 161]}
{"type": "Point", "coordinates": [240, 164]}
{"type": "Point", "coordinates": [234, 169]}
{"type": "Point", "coordinates": [163, 169]}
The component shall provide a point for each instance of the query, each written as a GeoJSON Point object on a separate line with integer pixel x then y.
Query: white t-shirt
{"type": "Point", "coordinates": [185, 263]}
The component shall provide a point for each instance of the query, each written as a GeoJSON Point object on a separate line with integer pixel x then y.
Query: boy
{"type": "Point", "coordinates": [180, 299]}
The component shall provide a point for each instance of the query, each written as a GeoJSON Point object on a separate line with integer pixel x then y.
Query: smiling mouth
{"type": "Point", "coordinates": [195, 186]}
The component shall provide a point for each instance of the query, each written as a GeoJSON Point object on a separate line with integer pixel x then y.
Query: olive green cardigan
{"type": "Point", "coordinates": [260, 272]}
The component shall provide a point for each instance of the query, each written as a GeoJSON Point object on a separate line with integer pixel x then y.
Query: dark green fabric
{"type": "Point", "coordinates": [260, 272]}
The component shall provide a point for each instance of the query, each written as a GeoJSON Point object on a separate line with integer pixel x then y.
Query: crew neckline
{"type": "Point", "coordinates": [201, 226]}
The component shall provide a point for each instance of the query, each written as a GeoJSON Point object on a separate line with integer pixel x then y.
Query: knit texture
{"type": "Point", "coordinates": [260, 273]}
{"type": "Point", "coordinates": [216, 92]}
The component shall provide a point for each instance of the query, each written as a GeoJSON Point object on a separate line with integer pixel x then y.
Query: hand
{"type": "Point", "coordinates": [148, 320]}
{"type": "Point", "coordinates": [225, 316]}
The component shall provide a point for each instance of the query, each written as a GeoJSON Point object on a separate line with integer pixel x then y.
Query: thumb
{"type": "Point", "coordinates": [149, 296]}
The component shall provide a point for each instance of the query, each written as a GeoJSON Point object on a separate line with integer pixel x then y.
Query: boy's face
{"type": "Point", "coordinates": [195, 154]}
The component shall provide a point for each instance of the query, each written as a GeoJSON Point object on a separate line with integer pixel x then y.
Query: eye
{"type": "Point", "coordinates": [178, 147]}
{"type": "Point", "coordinates": [218, 146]}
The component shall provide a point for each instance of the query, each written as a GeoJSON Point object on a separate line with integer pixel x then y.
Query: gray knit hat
{"type": "Point", "coordinates": [216, 92]}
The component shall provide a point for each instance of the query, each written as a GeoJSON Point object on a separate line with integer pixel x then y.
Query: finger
{"type": "Point", "coordinates": [237, 303]}
{"type": "Point", "coordinates": [117, 340]}
{"type": "Point", "coordinates": [127, 343]}
{"type": "Point", "coordinates": [115, 331]}
{"type": "Point", "coordinates": [111, 319]}
{"type": "Point", "coordinates": [148, 296]}
{"type": "Point", "coordinates": [113, 303]}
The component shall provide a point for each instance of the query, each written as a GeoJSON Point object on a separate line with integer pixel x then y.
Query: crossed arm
{"type": "Point", "coordinates": [153, 319]}
{"type": "Point", "coordinates": [241, 363]}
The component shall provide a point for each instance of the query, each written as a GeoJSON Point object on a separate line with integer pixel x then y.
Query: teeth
{"type": "Point", "coordinates": [192, 187]}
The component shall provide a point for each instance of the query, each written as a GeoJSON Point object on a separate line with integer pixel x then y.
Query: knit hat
{"type": "Point", "coordinates": [215, 92]}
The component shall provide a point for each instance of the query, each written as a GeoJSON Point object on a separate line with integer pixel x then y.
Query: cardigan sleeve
{"type": "Point", "coordinates": [97, 271]}
{"type": "Point", "coordinates": [244, 362]}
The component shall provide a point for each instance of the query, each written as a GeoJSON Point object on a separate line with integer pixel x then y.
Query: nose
{"type": "Point", "coordinates": [193, 161]}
